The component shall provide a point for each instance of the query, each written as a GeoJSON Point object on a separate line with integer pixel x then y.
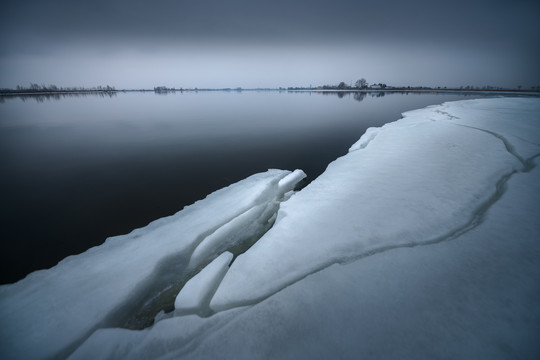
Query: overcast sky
{"type": "Point", "coordinates": [252, 43]}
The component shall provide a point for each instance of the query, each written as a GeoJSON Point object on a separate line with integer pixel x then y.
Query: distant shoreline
{"type": "Point", "coordinates": [5, 92]}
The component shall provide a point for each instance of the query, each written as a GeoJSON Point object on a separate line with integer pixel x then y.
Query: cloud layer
{"type": "Point", "coordinates": [211, 43]}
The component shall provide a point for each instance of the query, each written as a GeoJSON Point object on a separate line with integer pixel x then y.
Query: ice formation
{"type": "Point", "coordinates": [421, 242]}
{"type": "Point", "coordinates": [51, 312]}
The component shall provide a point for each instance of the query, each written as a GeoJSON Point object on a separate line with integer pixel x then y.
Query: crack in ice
{"type": "Point", "coordinates": [182, 267]}
{"type": "Point", "coordinates": [507, 144]}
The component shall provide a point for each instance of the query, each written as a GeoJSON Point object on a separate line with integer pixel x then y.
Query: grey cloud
{"type": "Point", "coordinates": [458, 20]}
{"type": "Point", "coordinates": [388, 40]}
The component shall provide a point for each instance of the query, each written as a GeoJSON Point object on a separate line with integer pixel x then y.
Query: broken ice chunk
{"type": "Point", "coordinates": [288, 182]}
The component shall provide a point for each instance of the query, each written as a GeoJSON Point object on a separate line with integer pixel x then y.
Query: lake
{"type": "Point", "coordinates": [78, 169]}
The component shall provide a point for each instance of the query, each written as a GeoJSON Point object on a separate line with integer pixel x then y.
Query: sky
{"type": "Point", "coordinates": [252, 43]}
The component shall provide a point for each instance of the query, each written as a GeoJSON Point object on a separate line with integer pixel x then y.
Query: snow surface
{"type": "Point", "coordinates": [422, 242]}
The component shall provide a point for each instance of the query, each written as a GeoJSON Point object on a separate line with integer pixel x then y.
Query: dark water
{"type": "Point", "coordinates": [76, 170]}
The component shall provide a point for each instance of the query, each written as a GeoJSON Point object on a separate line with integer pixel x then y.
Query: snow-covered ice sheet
{"type": "Point", "coordinates": [521, 135]}
{"type": "Point", "coordinates": [50, 312]}
{"type": "Point", "coordinates": [422, 179]}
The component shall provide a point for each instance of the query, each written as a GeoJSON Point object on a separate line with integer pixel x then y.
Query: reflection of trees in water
{"type": "Point", "coordinates": [57, 96]}
{"type": "Point", "coordinates": [359, 96]}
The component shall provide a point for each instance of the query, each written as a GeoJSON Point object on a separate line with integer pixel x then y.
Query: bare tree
{"type": "Point", "coordinates": [361, 84]}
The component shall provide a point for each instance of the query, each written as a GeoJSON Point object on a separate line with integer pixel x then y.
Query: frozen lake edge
{"type": "Point", "coordinates": [463, 171]}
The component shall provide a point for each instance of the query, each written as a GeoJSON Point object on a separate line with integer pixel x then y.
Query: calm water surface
{"type": "Point", "coordinates": [77, 170]}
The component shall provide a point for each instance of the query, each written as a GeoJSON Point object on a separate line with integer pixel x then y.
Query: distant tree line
{"type": "Point", "coordinates": [164, 89]}
{"type": "Point", "coordinates": [36, 89]}
{"type": "Point", "coordinates": [362, 84]}
{"type": "Point", "coordinates": [359, 85]}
